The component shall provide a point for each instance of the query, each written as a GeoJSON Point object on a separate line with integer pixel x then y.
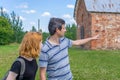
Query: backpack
{"type": "Point", "coordinates": [22, 70]}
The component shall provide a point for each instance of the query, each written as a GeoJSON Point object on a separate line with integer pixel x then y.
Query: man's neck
{"type": "Point", "coordinates": [54, 40]}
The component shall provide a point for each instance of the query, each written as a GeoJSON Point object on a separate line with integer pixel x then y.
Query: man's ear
{"type": "Point", "coordinates": [57, 30]}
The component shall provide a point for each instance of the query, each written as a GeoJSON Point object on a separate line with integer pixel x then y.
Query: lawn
{"type": "Point", "coordinates": [85, 64]}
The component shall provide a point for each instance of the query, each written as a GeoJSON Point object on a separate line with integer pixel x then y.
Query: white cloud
{"type": "Point", "coordinates": [70, 6]}
{"type": "Point", "coordinates": [46, 14]}
{"type": "Point", "coordinates": [29, 11]}
{"type": "Point", "coordinates": [22, 18]}
{"type": "Point", "coordinates": [32, 23]}
{"type": "Point", "coordinates": [4, 10]}
{"type": "Point", "coordinates": [24, 6]}
{"type": "Point", "coordinates": [72, 21]}
{"type": "Point", "coordinates": [67, 16]}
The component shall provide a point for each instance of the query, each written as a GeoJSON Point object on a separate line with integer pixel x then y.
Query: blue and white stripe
{"type": "Point", "coordinates": [55, 58]}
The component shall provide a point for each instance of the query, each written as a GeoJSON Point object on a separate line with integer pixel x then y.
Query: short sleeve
{"type": "Point", "coordinates": [16, 67]}
{"type": "Point", "coordinates": [69, 43]}
{"type": "Point", "coordinates": [43, 59]}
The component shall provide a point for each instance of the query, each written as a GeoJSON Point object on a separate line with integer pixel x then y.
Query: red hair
{"type": "Point", "coordinates": [30, 45]}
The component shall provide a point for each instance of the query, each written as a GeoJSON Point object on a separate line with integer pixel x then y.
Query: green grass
{"type": "Point", "coordinates": [85, 64]}
{"type": "Point", "coordinates": [95, 65]}
{"type": "Point", "coordinates": [8, 53]}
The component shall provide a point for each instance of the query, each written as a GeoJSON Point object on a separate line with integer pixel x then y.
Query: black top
{"type": "Point", "coordinates": [30, 69]}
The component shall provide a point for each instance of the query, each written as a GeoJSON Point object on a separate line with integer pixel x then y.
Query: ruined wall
{"type": "Point", "coordinates": [83, 19]}
{"type": "Point", "coordinates": [108, 25]}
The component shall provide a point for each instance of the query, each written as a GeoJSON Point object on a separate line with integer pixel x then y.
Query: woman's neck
{"type": "Point", "coordinates": [29, 59]}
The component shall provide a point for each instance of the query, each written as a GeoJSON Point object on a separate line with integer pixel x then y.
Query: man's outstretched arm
{"type": "Point", "coordinates": [83, 41]}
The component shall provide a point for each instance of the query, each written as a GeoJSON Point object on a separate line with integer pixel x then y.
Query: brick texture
{"type": "Point", "coordinates": [105, 24]}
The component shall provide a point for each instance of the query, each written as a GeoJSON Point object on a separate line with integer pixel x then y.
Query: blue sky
{"type": "Point", "coordinates": [32, 10]}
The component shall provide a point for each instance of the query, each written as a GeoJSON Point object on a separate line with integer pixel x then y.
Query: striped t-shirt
{"type": "Point", "coordinates": [55, 58]}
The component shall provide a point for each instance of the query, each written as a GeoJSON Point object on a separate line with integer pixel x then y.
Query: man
{"type": "Point", "coordinates": [54, 57]}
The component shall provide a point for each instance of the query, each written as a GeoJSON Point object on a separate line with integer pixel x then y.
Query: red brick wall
{"type": "Point", "coordinates": [105, 24]}
{"type": "Point", "coordinates": [83, 19]}
{"type": "Point", "coordinates": [108, 25]}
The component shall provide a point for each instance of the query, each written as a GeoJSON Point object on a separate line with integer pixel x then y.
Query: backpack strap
{"type": "Point", "coordinates": [22, 69]}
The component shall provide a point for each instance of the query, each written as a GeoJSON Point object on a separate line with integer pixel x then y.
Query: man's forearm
{"type": "Point", "coordinates": [42, 73]}
{"type": "Point", "coordinates": [82, 41]}
{"type": "Point", "coordinates": [42, 77]}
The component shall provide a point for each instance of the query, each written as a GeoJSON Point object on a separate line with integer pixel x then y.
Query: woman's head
{"type": "Point", "coordinates": [30, 45]}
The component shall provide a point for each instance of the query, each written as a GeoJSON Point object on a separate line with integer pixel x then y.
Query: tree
{"type": "Point", "coordinates": [16, 25]}
{"type": "Point", "coordinates": [74, 31]}
{"type": "Point", "coordinates": [33, 29]}
{"type": "Point", "coordinates": [4, 14]}
{"type": "Point", "coordinates": [45, 35]}
{"type": "Point", "coordinates": [5, 31]}
{"type": "Point", "coordinates": [71, 31]}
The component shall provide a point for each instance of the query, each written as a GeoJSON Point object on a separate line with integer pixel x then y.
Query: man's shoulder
{"type": "Point", "coordinates": [64, 39]}
{"type": "Point", "coordinates": [45, 47]}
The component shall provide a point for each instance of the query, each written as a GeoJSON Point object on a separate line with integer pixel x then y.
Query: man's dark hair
{"type": "Point", "coordinates": [55, 23]}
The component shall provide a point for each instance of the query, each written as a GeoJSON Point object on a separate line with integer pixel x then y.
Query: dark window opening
{"type": "Point", "coordinates": [82, 18]}
{"type": "Point", "coordinates": [82, 32]}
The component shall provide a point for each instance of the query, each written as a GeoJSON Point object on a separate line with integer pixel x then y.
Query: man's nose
{"type": "Point", "coordinates": [65, 30]}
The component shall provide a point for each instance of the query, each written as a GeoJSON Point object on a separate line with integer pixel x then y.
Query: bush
{"type": "Point", "coordinates": [5, 31]}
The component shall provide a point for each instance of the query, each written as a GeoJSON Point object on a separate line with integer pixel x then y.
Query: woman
{"type": "Point", "coordinates": [29, 50]}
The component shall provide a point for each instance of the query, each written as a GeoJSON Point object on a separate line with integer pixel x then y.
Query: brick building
{"type": "Point", "coordinates": [98, 16]}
